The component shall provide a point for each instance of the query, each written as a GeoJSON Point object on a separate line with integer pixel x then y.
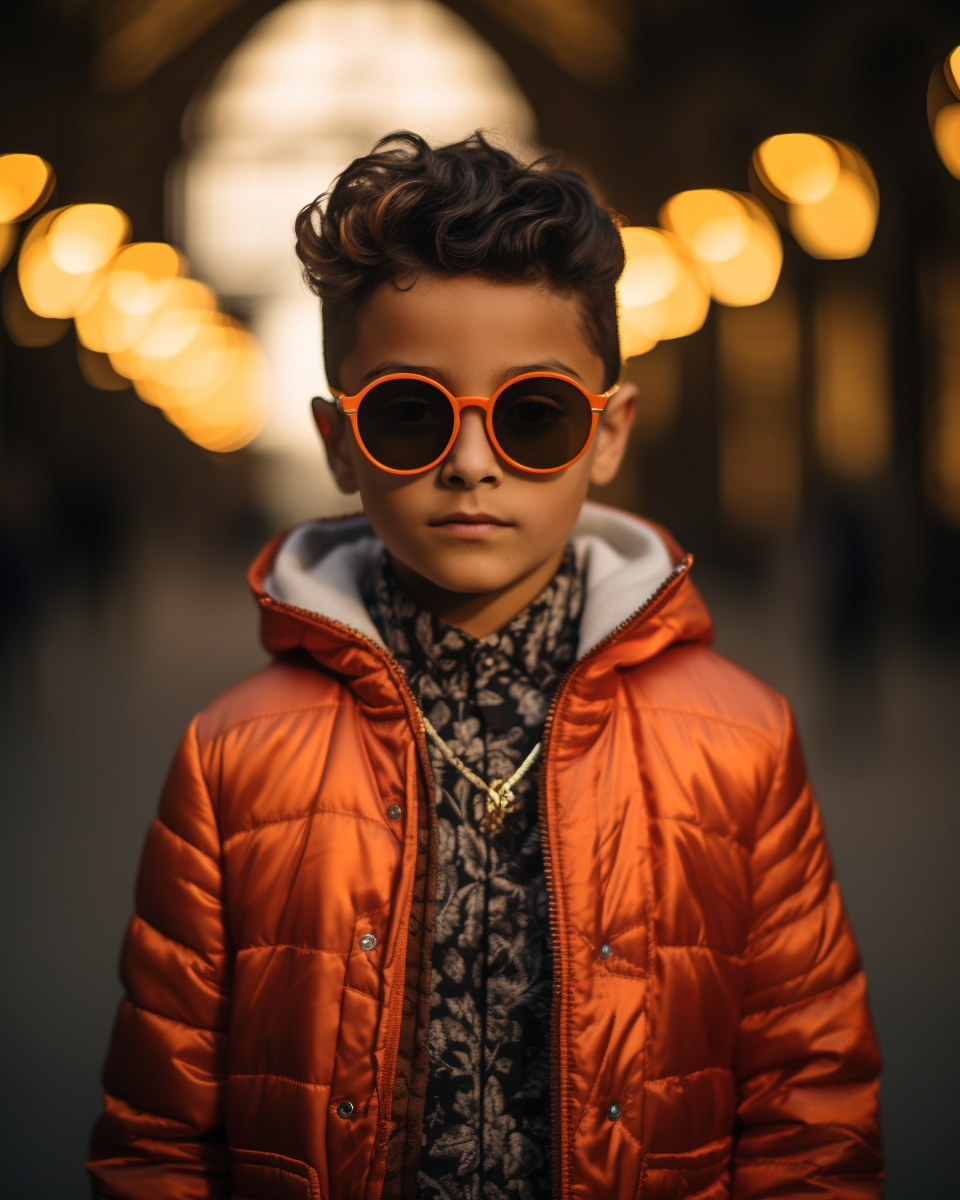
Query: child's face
{"type": "Point", "coordinates": [471, 335]}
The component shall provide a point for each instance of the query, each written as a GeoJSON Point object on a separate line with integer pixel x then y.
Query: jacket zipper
{"type": "Point", "coordinates": [558, 1056]}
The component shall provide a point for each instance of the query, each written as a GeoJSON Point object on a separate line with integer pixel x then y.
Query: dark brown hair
{"type": "Point", "coordinates": [469, 207]}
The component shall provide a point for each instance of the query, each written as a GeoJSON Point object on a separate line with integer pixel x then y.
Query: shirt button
{"type": "Point", "coordinates": [605, 951]}
{"type": "Point", "coordinates": [394, 812]}
{"type": "Point", "coordinates": [613, 1112]}
{"type": "Point", "coordinates": [367, 942]}
{"type": "Point", "coordinates": [345, 1109]}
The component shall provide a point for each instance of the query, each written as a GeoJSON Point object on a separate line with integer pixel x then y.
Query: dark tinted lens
{"type": "Point", "coordinates": [541, 422]}
{"type": "Point", "coordinates": [405, 423]}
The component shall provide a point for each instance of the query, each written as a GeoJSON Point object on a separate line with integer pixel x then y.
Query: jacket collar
{"type": "Point", "coordinates": [639, 599]}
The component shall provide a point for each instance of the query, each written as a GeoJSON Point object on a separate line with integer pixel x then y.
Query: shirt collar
{"type": "Point", "coordinates": [527, 643]}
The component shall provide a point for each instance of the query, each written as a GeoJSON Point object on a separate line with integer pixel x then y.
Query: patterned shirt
{"type": "Point", "coordinates": [486, 1128]}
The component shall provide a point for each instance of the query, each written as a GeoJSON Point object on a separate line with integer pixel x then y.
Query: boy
{"type": "Point", "coordinates": [498, 882]}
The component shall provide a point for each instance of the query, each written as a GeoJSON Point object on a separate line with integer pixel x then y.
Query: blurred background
{"type": "Point", "coordinates": [789, 181]}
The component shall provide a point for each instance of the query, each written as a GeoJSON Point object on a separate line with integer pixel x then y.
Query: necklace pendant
{"type": "Point", "coordinates": [499, 794]}
{"type": "Point", "coordinates": [493, 818]}
{"type": "Point", "coordinates": [499, 798]}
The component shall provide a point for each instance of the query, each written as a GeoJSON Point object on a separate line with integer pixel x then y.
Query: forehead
{"type": "Point", "coordinates": [468, 326]}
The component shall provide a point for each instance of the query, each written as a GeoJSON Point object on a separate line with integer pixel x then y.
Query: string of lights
{"type": "Point", "coordinates": [138, 318]}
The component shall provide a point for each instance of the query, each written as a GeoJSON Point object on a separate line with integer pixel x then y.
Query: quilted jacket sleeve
{"type": "Point", "coordinates": [807, 1059]}
{"type": "Point", "coordinates": [160, 1135]}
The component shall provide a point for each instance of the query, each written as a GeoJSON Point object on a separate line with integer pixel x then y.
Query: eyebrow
{"type": "Point", "coordinates": [394, 367]}
{"type": "Point", "coordinates": [548, 364]}
{"type": "Point", "coordinates": [391, 366]}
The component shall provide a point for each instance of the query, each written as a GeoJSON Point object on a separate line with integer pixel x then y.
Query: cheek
{"type": "Point", "coordinates": [550, 500]}
{"type": "Point", "coordinates": [395, 505]}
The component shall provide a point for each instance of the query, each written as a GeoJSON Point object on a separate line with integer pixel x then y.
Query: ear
{"type": "Point", "coordinates": [613, 434]}
{"type": "Point", "coordinates": [336, 436]}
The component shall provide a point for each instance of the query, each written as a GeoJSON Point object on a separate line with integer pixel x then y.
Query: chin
{"type": "Point", "coordinates": [474, 582]}
{"type": "Point", "coordinates": [473, 573]}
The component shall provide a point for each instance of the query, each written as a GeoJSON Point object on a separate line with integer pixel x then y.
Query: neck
{"type": "Point", "coordinates": [478, 613]}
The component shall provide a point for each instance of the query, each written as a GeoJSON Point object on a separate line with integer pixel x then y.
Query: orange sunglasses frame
{"type": "Point", "coordinates": [458, 403]}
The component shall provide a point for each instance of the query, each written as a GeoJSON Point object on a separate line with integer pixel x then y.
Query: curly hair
{"type": "Point", "coordinates": [467, 207]}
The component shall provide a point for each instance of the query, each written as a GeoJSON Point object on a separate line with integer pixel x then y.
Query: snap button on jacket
{"type": "Point", "coordinates": [276, 967]}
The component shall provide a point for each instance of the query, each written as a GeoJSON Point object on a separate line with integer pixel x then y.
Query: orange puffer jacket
{"type": "Point", "coordinates": [277, 971]}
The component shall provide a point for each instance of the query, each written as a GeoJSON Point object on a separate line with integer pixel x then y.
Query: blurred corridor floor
{"type": "Point", "coordinates": [92, 705]}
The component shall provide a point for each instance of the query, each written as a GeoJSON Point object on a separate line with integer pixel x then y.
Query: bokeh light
{"type": "Point", "coordinates": [635, 335]}
{"type": "Point", "coordinates": [203, 369]}
{"type": "Point", "coordinates": [797, 167]}
{"type": "Point", "coordinates": [186, 357]}
{"type": "Point", "coordinates": [174, 302]}
{"type": "Point", "coordinates": [167, 353]}
{"type": "Point", "coordinates": [651, 271]}
{"type": "Point", "coordinates": [48, 290]}
{"type": "Point", "coordinates": [85, 237]}
{"type": "Point", "coordinates": [829, 190]}
{"type": "Point", "coordinates": [751, 275]}
{"type": "Point", "coordinates": [734, 239]}
{"type": "Point", "coordinates": [661, 293]}
{"type": "Point", "coordinates": [26, 181]}
{"type": "Point", "coordinates": [63, 254]}
{"type": "Point", "coordinates": [943, 110]}
{"type": "Point", "coordinates": [131, 288]}
{"type": "Point", "coordinates": [841, 225]}
{"type": "Point", "coordinates": [712, 224]}
{"type": "Point", "coordinates": [230, 409]}
{"type": "Point", "coordinates": [946, 136]}
{"type": "Point", "coordinates": [952, 69]}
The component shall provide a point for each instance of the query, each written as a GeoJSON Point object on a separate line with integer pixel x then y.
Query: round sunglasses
{"type": "Point", "coordinates": [538, 422]}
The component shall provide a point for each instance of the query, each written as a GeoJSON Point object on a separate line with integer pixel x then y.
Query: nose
{"type": "Point", "coordinates": [471, 459]}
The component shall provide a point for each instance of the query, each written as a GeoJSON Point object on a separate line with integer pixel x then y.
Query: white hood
{"type": "Point", "coordinates": [322, 566]}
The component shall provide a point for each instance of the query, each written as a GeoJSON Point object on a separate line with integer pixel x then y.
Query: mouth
{"type": "Point", "coordinates": [470, 525]}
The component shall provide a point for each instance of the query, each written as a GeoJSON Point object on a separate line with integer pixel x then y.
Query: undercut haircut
{"type": "Point", "coordinates": [466, 208]}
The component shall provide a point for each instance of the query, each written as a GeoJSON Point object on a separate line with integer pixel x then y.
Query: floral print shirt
{"type": "Point", "coordinates": [486, 1127]}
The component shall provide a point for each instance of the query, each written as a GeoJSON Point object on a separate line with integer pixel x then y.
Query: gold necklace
{"type": "Point", "coordinates": [499, 794]}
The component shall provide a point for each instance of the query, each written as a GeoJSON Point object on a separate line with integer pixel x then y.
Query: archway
{"type": "Point", "coordinates": [310, 87]}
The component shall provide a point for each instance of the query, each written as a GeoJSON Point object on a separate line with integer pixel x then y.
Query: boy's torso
{"type": "Point", "coordinates": [643, 800]}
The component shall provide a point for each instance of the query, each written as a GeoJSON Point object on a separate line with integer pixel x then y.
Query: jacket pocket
{"type": "Point", "coordinates": [260, 1175]}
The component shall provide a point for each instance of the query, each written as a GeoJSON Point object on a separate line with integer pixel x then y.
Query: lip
{"type": "Point", "coordinates": [470, 525]}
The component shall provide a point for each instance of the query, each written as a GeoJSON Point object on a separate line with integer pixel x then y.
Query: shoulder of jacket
{"type": "Point", "coordinates": [283, 686]}
{"type": "Point", "coordinates": [693, 679]}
